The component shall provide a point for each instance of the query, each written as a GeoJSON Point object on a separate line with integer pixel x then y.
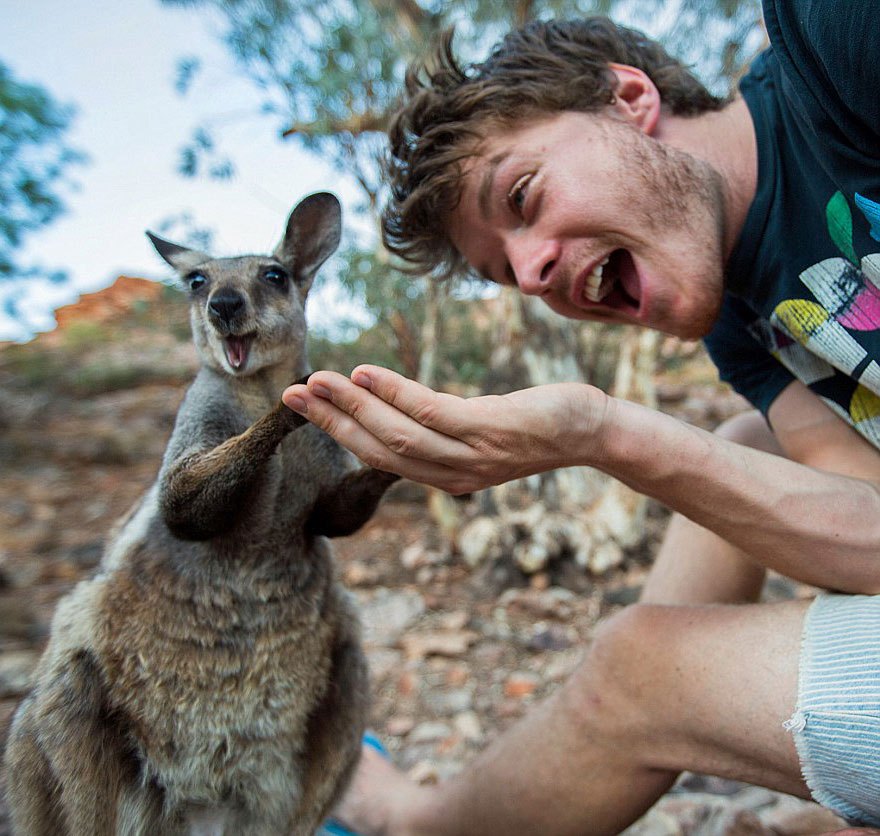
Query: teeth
{"type": "Point", "coordinates": [593, 287]}
{"type": "Point", "coordinates": [595, 278]}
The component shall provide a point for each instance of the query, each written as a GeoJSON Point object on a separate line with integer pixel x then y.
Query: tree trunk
{"type": "Point", "coordinates": [574, 513]}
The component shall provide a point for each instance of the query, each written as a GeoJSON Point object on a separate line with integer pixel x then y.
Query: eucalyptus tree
{"type": "Point", "coordinates": [329, 72]}
{"type": "Point", "coordinates": [34, 172]}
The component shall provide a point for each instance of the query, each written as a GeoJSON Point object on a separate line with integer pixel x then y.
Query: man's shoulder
{"type": "Point", "coordinates": [827, 52]}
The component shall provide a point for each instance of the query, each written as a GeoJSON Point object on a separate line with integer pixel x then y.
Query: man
{"type": "Point", "coordinates": [583, 165]}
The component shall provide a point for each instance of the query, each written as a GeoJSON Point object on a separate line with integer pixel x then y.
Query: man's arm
{"type": "Point", "coordinates": [798, 517]}
{"type": "Point", "coordinates": [812, 516]}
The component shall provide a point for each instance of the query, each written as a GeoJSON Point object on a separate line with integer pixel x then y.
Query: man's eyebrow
{"type": "Point", "coordinates": [485, 191]}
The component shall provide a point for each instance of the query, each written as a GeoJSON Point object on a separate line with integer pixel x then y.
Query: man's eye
{"type": "Point", "coordinates": [516, 197]}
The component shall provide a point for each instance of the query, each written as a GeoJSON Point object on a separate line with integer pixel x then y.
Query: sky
{"type": "Point", "coordinates": [115, 60]}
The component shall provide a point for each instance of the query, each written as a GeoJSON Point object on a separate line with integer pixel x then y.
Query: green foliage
{"type": "Point", "coordinates": [330, 72]}
{"type": "Point", "coordinates": [34, 163]}
{"type": "Point", "coordinates": [462, 353]}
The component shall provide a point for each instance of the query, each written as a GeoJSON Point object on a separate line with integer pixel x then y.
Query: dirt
{"type": "Point", "coordinates": [456, 656]}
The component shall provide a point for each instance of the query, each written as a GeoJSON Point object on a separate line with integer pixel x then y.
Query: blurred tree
{"type": "Point", "coordinates": [330, 71]}
{"type": "Point", "coordinates": [34, 163]}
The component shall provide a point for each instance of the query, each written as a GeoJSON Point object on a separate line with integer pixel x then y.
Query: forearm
{"type": "Point", "coordinates": [203, 493]}
{"type": "Point", "coordinates": [819, 527]}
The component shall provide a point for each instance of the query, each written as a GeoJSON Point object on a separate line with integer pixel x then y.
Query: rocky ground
{"type": "Point", "coordinates": [454, 657]}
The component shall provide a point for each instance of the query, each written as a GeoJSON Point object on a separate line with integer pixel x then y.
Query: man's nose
{"type": "Point", "coordinates": [532, 264]}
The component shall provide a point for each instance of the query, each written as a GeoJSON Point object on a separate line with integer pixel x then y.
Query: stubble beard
{"type": "Point", "coordinates": [687, 202]}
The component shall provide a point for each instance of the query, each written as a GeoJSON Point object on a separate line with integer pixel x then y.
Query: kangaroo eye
{"type": "Point", "coordinates": [275, 276]}
{"type": "Point", "coordinates": [196, 280]}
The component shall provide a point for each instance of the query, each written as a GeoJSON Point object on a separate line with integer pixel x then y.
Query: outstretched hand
{"type": "Point", "coordinates": [456, 444]}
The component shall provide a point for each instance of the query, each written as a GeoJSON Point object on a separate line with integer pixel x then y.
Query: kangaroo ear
{"type": "Point", "coordinates": [180, 258]}
{"type": "Point", "coordinates": [312, 236]}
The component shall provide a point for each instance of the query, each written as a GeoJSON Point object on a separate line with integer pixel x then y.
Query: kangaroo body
{"type": "Point", "coordinates": [209, 679]}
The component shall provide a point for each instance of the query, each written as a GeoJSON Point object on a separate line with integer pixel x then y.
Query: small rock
{"type": "Point", "coordinates": [548, 638]}
{"type": "Point", "coordinates": [803, 819]}
{"type": "Point", "coordinates": [429, 732]}
{"type": "Point", "coordinates": [554, 602]}
{"type": "Point", "coordinates": [447, 702]}
{"type": "Point", "coordinates": [467, 724]}
{"type": "Point", "coordinates": [456, 675]}
{"type": "Point", "coordinates": [448, 643]}
{"type": "Point", "coordinates": [697, 782]}
{"type": "Point", "coordinates": [16, 672]}
{"type": "Point", "coordinates": [424, 575]}
{"type": "Point", "coordinates": [408, 683]}
{"type": "Point", "coordinates": [490, 654]}
{"type": "Point", "coordinates": [654, 823]}
{"type": "Point", "coordinates": [563, 664]}
{"type": "Point", "coordinates": [417, 556]}
{"type": "Point", "coordinates": [386, 614]}
{"type": "Point", "coordinates": [423, 773]}
{"type": "Point", "coordinates": [18, 573]}
{"type": "Point", "coordinates": [359, 574]}
{"type": "Point", "coordinates": [455, 620]}
{"type": "Point", "coordinates": [521, 684]}
{"type": "Point", "coordinates": [480, 542]}
{"type": "Point", "coordinates": [729, 822]}
{"type": "Point", "coordinates": [400, 725]}
{"type": "Point", "coordinates": [622, 595]}
{"type": "Point", "coordinates": [539, 581]}
{"type": "Point", "coordinates": [18, 618]}
{"type": "Point", "coordinates": [382, 662]}
{"type": "Point", "coordinates": [604, 557]}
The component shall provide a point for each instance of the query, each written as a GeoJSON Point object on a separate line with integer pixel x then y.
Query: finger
{"type": "Point", "coordinates": [399, 431]}
{"type": "Point", "coordinates": [435, 410]}
{"type": "Point", "coordinates": [337, 423]}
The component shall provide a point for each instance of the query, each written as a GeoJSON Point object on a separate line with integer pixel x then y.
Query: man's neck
{"type": "Point", "coordinates": [726, 140]}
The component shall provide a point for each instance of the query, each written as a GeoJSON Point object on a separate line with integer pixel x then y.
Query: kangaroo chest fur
{"type": "Point", "coordinates": [218, 651]}
{"type": "Point", "coordinates": [218, 682]}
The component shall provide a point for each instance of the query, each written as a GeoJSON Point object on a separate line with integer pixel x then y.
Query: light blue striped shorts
{"type": "Point", "coordinates": [836, 726]}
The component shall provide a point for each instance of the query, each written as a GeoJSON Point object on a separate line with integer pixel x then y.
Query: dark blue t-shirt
{"type": "Point", "coordinates": [802, 296]}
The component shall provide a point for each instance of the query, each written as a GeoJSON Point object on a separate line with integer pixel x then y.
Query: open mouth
{"type": "Point", "coordinates": [237, 350]}
{"type": "Point", "coordinates": [614, 283]}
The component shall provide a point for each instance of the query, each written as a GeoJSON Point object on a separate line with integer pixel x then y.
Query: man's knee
{"type": "Point", "coordinates": [610, 694]}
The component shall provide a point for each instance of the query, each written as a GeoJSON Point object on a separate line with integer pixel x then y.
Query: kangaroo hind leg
{"type": "Point", "coordinates": [335, 732]}
{"type": "Point", "coordinates": [86, 755]}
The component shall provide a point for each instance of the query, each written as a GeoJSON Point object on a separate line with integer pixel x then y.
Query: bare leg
{"type": "Point", "coordinates": [695, 566]}
{"type": "Point", "coordinates": [662, 689]}
{"type": "Point", "coordinates": [652, 698]}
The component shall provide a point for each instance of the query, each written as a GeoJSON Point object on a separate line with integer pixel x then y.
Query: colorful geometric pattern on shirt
{"type": "Point", "coordinates": [812, 337]}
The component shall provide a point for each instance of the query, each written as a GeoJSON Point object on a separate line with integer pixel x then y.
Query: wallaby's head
{"type": "Point", "coordinates": [247, 312]}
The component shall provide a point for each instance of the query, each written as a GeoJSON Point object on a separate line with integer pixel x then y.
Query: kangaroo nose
{"type": "Point", "coordinates": [224, 305]}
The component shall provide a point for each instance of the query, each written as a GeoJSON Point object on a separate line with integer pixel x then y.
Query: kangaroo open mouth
{"type": "Point", "coordinates": [237, 350]}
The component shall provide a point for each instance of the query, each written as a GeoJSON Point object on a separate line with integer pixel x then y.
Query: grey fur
{"type": "Point", "coordinates": [209, 679]}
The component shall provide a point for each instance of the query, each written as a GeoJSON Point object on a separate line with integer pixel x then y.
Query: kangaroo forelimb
{"type": "Point", "coordinates": [350, 503]}
{"type": "Point", "coordinates": [203, 493]}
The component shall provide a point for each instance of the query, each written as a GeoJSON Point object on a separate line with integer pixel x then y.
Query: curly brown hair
{"type": "Point", "coordinates": [543, 68]}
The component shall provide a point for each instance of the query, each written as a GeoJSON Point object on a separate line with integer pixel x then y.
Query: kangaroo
{"type": "Point", "coordinates": [209, 679]}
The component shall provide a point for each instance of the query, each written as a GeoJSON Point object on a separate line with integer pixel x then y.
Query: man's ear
{"type": "Point", "coordinates": [636, 97]}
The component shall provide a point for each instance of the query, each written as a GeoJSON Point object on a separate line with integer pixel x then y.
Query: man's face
{"type": "Point", "coordinates": [599, 220]}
